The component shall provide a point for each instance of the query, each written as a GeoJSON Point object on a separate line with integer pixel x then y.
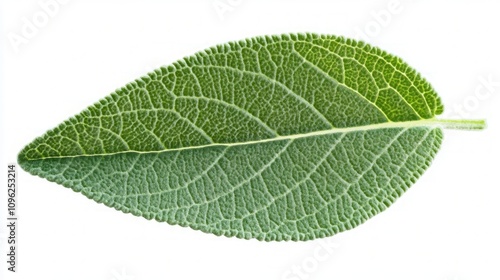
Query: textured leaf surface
{"type": "Point", "coordinates": [290, 137]}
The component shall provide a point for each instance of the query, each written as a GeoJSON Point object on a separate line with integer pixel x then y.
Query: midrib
{"type": "Point", "coordinates": [451, 124]}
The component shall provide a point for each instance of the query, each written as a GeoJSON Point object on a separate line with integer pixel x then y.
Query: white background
{"type": "Point", "coordinates": [445, 227]}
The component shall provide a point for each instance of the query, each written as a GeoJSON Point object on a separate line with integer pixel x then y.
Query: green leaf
{"type": "Point", "coordinates": [290, 137]}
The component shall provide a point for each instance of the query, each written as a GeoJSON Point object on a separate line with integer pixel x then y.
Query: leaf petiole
{"type": "Point", "coordinates": [461, 124]}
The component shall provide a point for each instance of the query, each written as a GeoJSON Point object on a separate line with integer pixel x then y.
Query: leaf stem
{"type": "Point", "coordinates": [461, 124]}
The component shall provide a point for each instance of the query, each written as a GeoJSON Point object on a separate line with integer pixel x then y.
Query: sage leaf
{"type": "Point", "coordinates": [290, 137]}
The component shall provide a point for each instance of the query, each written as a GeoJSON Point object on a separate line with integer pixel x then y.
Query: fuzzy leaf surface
{"type": "Point", "coordinates": [290, 137]}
